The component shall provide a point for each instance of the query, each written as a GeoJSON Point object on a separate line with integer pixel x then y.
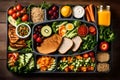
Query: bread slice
{"type": "Point", "coordinates": [65, 46]}
{"type": "Point", "coordinates": [77, 42]}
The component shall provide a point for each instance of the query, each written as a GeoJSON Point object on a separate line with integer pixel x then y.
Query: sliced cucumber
{"type": "Point", "coordinates": [12, 21]}
{"type": "Point", "coordinates": [27, 57]}
{"type": "Point", "coordinates": [12, 49]}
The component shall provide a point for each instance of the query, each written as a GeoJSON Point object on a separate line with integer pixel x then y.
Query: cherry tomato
{"type": "Point", "coordinates": [18, 14]}
{"type": "Point", "coordinates": [25, 17]}
{"type": "Point", "coordinates": [85, 55]}
{"type": "Point", "coordinates": [104, 46]}
{"type": "Point", "coordinates": [91, 54]}
{"type": "Point", "coordinates": [19, 7]}
{"type": "Point", "coordinates": [15, 9]}
{"type": "Point", "coordinates": [23, 11]}
{"type": "Point", "coordinates": [14, 15]}
{"type": "Point", "coordinates": [10, 12]}
{"type": "Point", "coordinates": [92, 30]}
{"type": "Point", "coordinates": [93, 59]}
{"type": "Point", "coordinates": [90, 68]}
{"type": "Point", "coordinates": [9, 55]}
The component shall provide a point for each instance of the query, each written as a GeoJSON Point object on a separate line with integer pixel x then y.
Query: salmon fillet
{"type": "Point", "coordinates": [50, 44]}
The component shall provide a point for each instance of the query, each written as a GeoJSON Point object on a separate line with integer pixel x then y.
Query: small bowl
{"type": "Point", "coordinates": [28, 33]}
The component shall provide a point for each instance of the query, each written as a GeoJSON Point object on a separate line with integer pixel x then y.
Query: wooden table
{"type": "Point", "coordinates": [115, 71]}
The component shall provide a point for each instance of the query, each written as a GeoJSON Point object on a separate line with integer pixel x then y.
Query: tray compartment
{"type": "Point", "coordinates": [66, 63]}
{"type": "Point", "coordinates": [45, 59]}
{"type": "Point", "coordinates": [69, 20]}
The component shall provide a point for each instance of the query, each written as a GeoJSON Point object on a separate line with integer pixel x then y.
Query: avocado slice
{"type": "Point", "coordinates": [12, 21]}
{"type": "Point", "coordinates": [46, 31]}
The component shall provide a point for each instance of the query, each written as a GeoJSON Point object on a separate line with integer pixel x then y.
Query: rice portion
{"type": "Point", "coordinates": [37, 14]}
{"type": "Point", "coordinates": [103, 67]}
{"type": "Point", "coordinates": [103, 57]}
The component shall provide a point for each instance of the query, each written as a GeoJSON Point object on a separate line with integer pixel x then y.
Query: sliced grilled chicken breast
{"type": "Point", "coordinates": [77, 42]}
{"type": "Point", "coordinates": [65, 46]}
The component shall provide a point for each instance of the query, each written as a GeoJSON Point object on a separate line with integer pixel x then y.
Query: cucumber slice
{"type": "Point", "coordinates": [12, 49]}
{"type": "Point", "coordinates": [12, 21]}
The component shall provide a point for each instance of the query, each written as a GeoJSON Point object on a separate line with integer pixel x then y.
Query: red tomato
{"type": "Point", "coordinates": [85, 55]}
{"type": "Point", "coordinates": [91, 54]}
{"type": "Point", "coordinates": [23, 11]}
{"type": "Point", "coordinates": [19, 7]}
{"type": "Point", "coordinates": [93, 59]}
{"type": "Point", "coordinates": [10, 11]}
{"type": "Point", "coordinates": [14, 15]}
{"type": "Point", "coordinates": [90, 68]}
{"type": "Point", "coordinates": [18, 14]}
{"type": "Point", "coordinates": [104, 46]}
{"type": "Point", "coordinates": [25, 17]}
{"type": "Point", "coordinates": [83, 30]}
{"type": "Point", "coordinates": [15, 9]}
{"type": "Point", "coordinates": [9, 55]}
{"type": "Point", "coordinates": [92, 30]}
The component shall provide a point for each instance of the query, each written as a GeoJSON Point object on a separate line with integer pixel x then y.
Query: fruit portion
{"type": "Point", "coordinates": [46, 31]}
{"type": "Point", "coordinates": [66, 11]}
{"type": "Point", "coordinates": [104, 46]}
{"type": "Point", "coordinates": [53, 12]}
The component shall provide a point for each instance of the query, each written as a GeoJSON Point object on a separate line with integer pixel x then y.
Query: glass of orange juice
{"type": "Point", "coordinates": [104, 16]}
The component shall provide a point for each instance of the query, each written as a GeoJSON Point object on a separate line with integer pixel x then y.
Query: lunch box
{"type": "Point", "coordinates": [55, 55]}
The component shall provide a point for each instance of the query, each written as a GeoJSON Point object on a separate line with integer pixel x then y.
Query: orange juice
{"type": "Point", "coordinates": [104, 16]}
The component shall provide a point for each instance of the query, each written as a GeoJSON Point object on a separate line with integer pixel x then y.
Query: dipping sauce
{"type": "Point", "coordinates": [78, 11]}
{"type": "Point", "coordinates": [104, 16]}
{"type": "Point", "coordinates": [23, 30]}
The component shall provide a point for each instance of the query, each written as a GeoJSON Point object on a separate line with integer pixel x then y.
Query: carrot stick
{"type": "Point", "coordinates": [87, 14]}
{"type": "Point", "coordinates": [91, 13]}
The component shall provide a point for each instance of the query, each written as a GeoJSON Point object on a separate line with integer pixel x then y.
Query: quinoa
{"type": "Point", "coordinates": [37, 14]}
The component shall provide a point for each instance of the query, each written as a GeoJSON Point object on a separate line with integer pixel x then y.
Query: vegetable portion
{"type": "Point", "coordinates": [106, 34]}
{"type": "Point", "coordinates": [53, 12]}
{"type": "Point", "coordinates": [21, 63]}
{"type": "Point", "coordinates": [79, 63]}
{"type": "Point", "coordinates": [18, 11]}
{"type": "Point", "coordinates": [90, 16]}
{"type": "Point", "coordinates": [46, 63]}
